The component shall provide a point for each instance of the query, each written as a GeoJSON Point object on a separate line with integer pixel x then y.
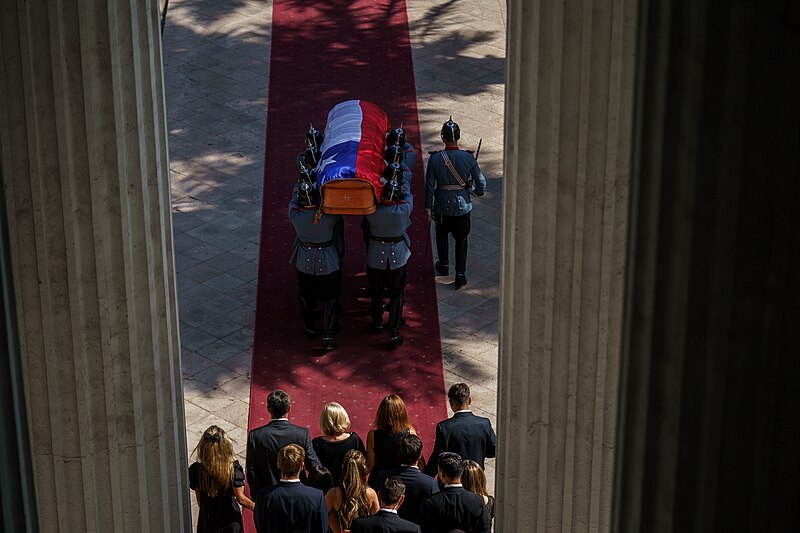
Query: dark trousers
{"type": "Point", "coordinates": [391, 282]}
{"type": "Point", "coordinates": [324, 290]}
{"type": "Point", "coordinates": [459, 226]}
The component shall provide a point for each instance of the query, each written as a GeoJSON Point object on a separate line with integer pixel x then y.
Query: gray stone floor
{"type": "Point", "coordinates": [216, 57]}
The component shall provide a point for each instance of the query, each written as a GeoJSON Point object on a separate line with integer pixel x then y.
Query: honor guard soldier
{"type": "Point", "coordinates": [319, 273]}
{"type": "Point", "coordinates": [398, 136]}
{"type": "Point", "coordinates": [394, 153]}
{"type": "Point", "coordinates": [452, 177]}
{"type": "Point", "coordinates": [388, 252]}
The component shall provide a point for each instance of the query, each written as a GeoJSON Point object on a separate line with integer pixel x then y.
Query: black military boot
{"type": "Point", "coordinates": [461, 262]}
{"type": "Point", "coordinates": [442, 266]}
{"type": "Point", "coordinates": [308, 310]}
{"type": "Point", "coordinates": [376, 312]}
{"type": "Point", "coordinates": [328, 317]}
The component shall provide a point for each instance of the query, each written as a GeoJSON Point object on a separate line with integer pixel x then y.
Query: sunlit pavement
{"type": "Point", "coordinates": [216, 58]}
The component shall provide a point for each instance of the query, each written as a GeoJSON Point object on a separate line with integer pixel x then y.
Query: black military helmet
{"type": "Point", "coordinates": [307, 194]}
{"type": "Point", "coordinates": [392, 188]}
{"type": "Point", "coordinates": [394, 153]}
{"type": "Point", "coordinates": [303, 169]}
{"type": "Point", "coordinates": [396, 136]}
{"type": "Point", "coordinates": [312, 155]}
{"type": "Point", "coordinates": [450, 131]}
{"type": "Point", "coordinates": [314, 138]}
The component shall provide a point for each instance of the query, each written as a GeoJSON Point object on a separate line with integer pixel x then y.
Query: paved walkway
{"type": "Point", "coordinates": [216, 57]}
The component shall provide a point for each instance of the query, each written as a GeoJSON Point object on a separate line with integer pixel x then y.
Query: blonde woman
{"type": "Point", "coordinates": [217, 480]}
{"type": "Point", "coordinates": [352, 498]}
{"type": "Point", "coordinates": [474, 480]}
{"type": "Point", "coordinates": [391, 424]}
{"type": "Point", "coordinates": [336, 439]}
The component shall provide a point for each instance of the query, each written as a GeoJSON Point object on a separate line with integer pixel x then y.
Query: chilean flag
{"type": "Point", "coordinates": [353, 147]}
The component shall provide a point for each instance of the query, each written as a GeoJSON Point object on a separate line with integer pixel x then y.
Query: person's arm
{"type": "Point", "coordinates": [250, 460]}
{"type": "Point", "coordinates": [331, 497]}
{"type": "Point", "coordinates": [311, 456]}
{"type": "Point", "coordinates": [486, 526]}
{"type": "Point", "coordinates": [197, 496]}
{"type": "Point", "coordinates": [370, 450]}
{"type": "Point", "coordinates": [430, 185]}
{"type": "Point", "coordinates": [244, 501]}
{"type": "Point", "coordinates": [372, 499]}
{"type": "Point", "coordinates": [432, 467]}
{"type": "Point", "coordinates": [323, 515]}
{"type": "Point", "coordinates": [491, 444]}
{"type": "Point", "coordinates": [478, 179]}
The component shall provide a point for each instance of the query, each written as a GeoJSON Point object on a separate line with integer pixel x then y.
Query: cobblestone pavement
{"type": "Point", "coordinates": [216, 57]}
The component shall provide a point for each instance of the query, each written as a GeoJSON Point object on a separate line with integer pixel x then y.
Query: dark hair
{"type": "Point", "coordinates": [391, 490]}
{"type": "Point", "coordinates": [278, 403]}
{"type": "Point", "coordinates": [459, 393]}
{"type": "Point", "coordinates": [410, 449]}
{"type": "Point", "coordinates": [451, 465]}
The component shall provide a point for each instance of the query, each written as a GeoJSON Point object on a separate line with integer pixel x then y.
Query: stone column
{"type": "Point", "coordinates": [84, 155]}
{"type": "Point", "coordinates": [568, 129]}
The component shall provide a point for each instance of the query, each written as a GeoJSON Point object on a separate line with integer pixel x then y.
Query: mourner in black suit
{"type": "Point", "coordinates": [470, 436]}
{"type": "Point", "coordinates": [387, 520]}
{"type": "Point", "coordinates": [418, 485]}
{"type": "Point", "coordinates": [453, 507]}
{"type": "Point", "coordinates": [264, 443]}
{"type": "Point", "coordinates": [289, 506]}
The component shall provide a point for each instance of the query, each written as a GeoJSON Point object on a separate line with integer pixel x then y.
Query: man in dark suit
{"type": "Point", "coordinates": [387, 520]}
{"type": "Point", "coordinates": [418, 485]}
{"type": "Point", "coordinates": [289, 506]}
{"type": "Point", "coordinates": [264, 443]}
{"type": "Point", "coordinates": [454, 507]}
{"type": "Point", "coordinates": [470, 436]}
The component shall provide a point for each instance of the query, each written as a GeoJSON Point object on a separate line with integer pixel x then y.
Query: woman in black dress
{"type": "Point", "coordinates": [336, 440]}
{"type": "Point", "coordinates": [217, 480]}
{"type": "Point", "coordinates": [391, 424]}
{"type": "Point", "coordinates": [474, 480]}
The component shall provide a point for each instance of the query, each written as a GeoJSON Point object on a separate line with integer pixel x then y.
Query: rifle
{"type": "Point", "coordinates": [478, 151]}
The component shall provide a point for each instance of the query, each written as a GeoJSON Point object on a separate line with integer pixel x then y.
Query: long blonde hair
{"type": "Point", "coordinates": [474, 478]}
{"type": "Point", "coordinates": [392, 417]}
{"type": "Point", "coordinates": [215, 452]}
{"type": "Point", "coordinates": [353, 485]}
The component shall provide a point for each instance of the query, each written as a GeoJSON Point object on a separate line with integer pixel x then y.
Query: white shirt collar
{"type": "Point", "coordinates": [411, 466]}
{"type": "Point", "coordinates": [274, 419]}
{"type": "Point", "coordinates": [453, 485]}
{"type": "Point", "coordinates": [463, 411]}
{"type": "Point", "coordinates": [389, 510]}
{"type": "Point", "coordinates": [290, 480]}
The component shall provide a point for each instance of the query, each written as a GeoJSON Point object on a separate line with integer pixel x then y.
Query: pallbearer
{"type": "Point", "coordinates": [388, 252]}
{"type": "Point", "coordinates": [452, 177]}
{"type": "Point", "coordinates": [398, 136]}
{"type": "Point", "coordinates": [319, 273]}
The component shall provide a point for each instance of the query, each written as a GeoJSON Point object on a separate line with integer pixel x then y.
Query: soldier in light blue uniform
{"type": "Point", "coordinates": [388, 253]}
{"type": "Point", "coordinates": [449, 202]}
{"type": "Point", "coordinates": [318, 265]}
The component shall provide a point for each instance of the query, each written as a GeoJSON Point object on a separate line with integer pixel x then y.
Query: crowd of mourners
{"type": "Point", "coordinates": [336, 482]}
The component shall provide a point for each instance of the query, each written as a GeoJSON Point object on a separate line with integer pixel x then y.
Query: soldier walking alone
{"type": "Point", "coordinates": [452, 177]}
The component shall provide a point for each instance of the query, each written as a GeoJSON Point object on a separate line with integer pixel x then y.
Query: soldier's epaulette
{"type": "Point", "coordinates": [433, 151]}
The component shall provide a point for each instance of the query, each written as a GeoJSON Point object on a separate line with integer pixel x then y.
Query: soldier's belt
{"type": "Point", "coordinates": [450, 187]}
{"type": "Point", "coordinates": [387, 239]}
{"type": "Point", "coordinates": [316, 244]}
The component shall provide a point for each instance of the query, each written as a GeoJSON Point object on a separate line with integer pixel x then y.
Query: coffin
{"type": "Point", "coordinates": [349, 172]}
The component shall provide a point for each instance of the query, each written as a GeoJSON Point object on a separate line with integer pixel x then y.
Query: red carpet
{"type": "Point", "coordinates": [322, 55]}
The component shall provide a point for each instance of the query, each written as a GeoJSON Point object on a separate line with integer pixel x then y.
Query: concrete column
{"type": "Point", "coordinates": [85, 170]}
{"type": "Point", "coordinates": [568, 129]}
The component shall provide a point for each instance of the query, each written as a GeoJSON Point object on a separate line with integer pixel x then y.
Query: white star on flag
{"type": "Point", "coordinates": [325, 162]}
